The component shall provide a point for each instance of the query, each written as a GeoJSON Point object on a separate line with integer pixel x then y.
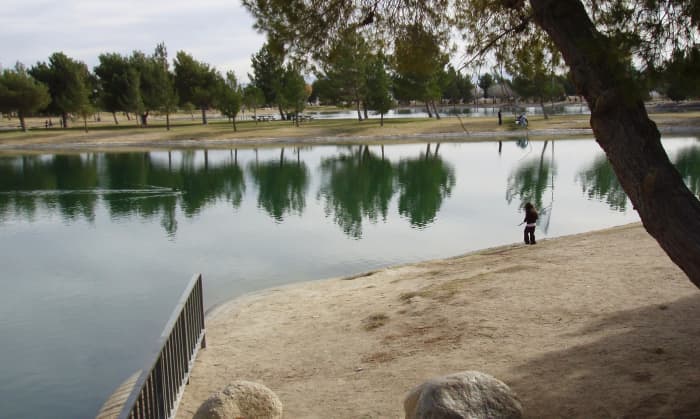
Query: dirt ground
{"type": "Point", "coordinates": [596, 325]}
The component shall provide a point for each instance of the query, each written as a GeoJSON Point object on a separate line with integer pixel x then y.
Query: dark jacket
{"type": "Point", "coordinates": [531, 216]}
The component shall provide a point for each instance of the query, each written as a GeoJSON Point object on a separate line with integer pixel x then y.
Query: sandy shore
{"type": "Point", "coordinates": [594, 325]}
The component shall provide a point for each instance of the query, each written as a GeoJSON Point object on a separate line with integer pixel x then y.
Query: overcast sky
{"type": "Point", "coordinates": [218, 32]}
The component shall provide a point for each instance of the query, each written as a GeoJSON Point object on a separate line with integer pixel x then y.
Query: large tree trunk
{"type": "Point", "coordinates": [669, 211]}
{"type": "Point", "coordinates": [204, 115]}
{"type": "Point", "coordinates": [116, 121]}
{"type": "Point", "coordinates": [64, 119]}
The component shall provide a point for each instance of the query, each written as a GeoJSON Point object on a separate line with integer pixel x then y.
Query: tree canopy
{"type": "Point", "coordinates": [196, 82]}
{"type": "Point", "coordinates": [68, 82]}
{"type": "Point", "coordinates": [230, 98]}
{"type": "Point", "coordinates": [20, 93]}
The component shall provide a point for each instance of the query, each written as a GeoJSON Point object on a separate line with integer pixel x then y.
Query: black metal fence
{"type": "Point", "coordinates": [158, 389]}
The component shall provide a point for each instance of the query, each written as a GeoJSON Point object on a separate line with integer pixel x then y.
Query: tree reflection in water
{"type": "Point", "coordinates": [62, 182]}
{"type": "Point", "coordinates": [281, 186]}
{"type": "Point", "coordinates": [355, 185]}
{"type": "Point", "coordinates": [529, 181]}
{"type": "Point", "coordinates": [128, 184]}
{"type": "Point", "coordinates": [423, 184]}
{"type": "Point", "coordinates": [599, 182]}
{"type": "Point", "coordinates": [687, 162]}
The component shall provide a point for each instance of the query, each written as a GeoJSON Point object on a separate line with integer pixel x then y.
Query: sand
{"type": "Point", "coordinates": [594, 325]}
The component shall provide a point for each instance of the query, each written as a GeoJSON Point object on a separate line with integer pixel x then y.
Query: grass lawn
{"type": "Point", "coordinates": [186, 127]}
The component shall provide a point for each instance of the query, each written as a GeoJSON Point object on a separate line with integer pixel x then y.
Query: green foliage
{"type": "Point", "coordinates": [378, 86]}
{"type": "Point", "coordinates": [267, 74]}
{"type": "Point", "coordinates": [230, 98]}
{"type": "Point", "coordinates": [20, 93]}
{"type": "Point", "coordinates": [157, 83]}
{"type": "Point", "coordinates": [485, 82]}
{"type": "Point", "coordinates": [293, 94]}
{"type": "Point", "coordinates": [679, 77]}
{"type": "Point", "coordinates": [533, 65]}
{"type": "Point", "coordinates": [344, 69]}
{"type": "Point", "coordinates": [324, 90]}
{"type": "Point", "coordinates": [196, 82]}
{"type": "Point", "coordinates": [119, 82]}
{"type": "Point", "coordinates": [68, 82]}
{"type": "Point", "coordinates": [253, 97]}
{"type": "Point", "coordinates": [419, 63]}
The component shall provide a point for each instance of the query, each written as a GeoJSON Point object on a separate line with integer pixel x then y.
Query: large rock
{"type": "Point", "coordinates": [464, 395]}
{"type": "Point", "coordinates": [241, 399]}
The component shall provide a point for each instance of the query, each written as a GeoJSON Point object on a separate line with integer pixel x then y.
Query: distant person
{"type": "Point", "coordinates": [46, 124]}
{"type": "Point", "coordinates": [500, 120]}
{"type": "Point", "coordinates": [530, 221]}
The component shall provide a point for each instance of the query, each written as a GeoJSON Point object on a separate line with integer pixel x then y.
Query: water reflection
{"type": "Point", "coordinates": [63, 183]}
{"type": "Point", "coordinates": [424, 183]}
{"type": "Point", "coordinates": [531, 178]}
{"type": "Point", "coordinates": [357, 184]}
{"type": "Point", "coordinates": [687, 162]}
{"type": "Point", "coordinates": [128, 184]}
{"type": "Point", "coordinates": [281, 185]}
{"type": "Point", "coordinates": [599, 182]}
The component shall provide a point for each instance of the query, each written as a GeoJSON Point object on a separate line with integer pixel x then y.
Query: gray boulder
{"type": "Point", "coordinates": [241, 400]}
{"type": "Point", "coordinates": [464, 395]}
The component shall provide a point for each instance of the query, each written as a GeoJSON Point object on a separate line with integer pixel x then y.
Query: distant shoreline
{"type": "Point", "coordinates": [189, 143]}
{"type": "Point", "coordinates": [220, 134]}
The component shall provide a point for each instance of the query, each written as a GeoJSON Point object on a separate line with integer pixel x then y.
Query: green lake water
{"type": "Point", "coordinates": [96, 248]}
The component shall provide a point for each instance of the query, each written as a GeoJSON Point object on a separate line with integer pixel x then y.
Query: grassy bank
{"type": "Point", "coordinates": [187, 131]}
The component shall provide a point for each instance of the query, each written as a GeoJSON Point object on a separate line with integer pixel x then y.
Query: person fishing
{"type": "Point", "coordinates": [530, 222]}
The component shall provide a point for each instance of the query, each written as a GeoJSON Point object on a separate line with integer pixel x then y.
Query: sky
{"type": "Point", "coordinates": [217, 32]}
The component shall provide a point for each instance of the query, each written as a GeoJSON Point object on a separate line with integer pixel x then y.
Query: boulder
{"type": "Point", "coordinates": [241, 400]}
{"type": "Point", "coordinates": [464, 395]}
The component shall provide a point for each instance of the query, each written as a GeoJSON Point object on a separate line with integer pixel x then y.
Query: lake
{"type": "Point", "coordinates": [96, 248]}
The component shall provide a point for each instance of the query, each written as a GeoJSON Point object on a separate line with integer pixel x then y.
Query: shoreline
{"type": "Point", "coordinates": [597, 324]}
{"type": "Point", "coordinates": [114, 144]}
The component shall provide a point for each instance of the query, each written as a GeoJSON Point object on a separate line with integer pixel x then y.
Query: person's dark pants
{"type": "Point", "coordinates": [530, 235]}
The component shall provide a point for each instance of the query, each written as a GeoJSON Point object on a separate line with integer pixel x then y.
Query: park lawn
{"type": "Point", "coordinates": [250, 133]}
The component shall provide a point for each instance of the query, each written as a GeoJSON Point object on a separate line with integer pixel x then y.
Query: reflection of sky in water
{"type": "Point", "coordinates": [94, 261]}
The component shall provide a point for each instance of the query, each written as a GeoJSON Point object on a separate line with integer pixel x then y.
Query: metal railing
{"type": "Point", "coordinates": [158, 389]}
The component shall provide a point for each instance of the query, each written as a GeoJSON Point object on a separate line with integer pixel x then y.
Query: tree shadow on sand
{"type": "Point", "coordinates": [645, 366]}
